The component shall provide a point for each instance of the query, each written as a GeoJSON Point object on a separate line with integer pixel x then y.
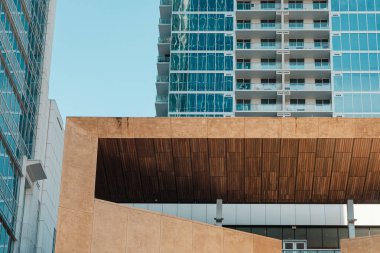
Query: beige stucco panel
{"type": "Point", "coordinates": [361, 245]}
{"type": "Point", "coordinates": [115, 228]}
{"type": "Point", "coordinates": [109, 229]}
{"type": "Point", "coordinates": [183, 128]}
{"type": "Point", "coordinates": [74, 231]}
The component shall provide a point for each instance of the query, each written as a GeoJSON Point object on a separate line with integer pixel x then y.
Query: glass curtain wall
{"type": "Point", "coordinates": [356, 61]}
{"type": "Point", "coordinates": [201, 63]}
{"type": "Point", "coordinates": [23, 26]}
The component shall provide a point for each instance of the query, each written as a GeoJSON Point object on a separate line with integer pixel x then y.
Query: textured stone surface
{"type": "Point", "coordinates": [361, 245]}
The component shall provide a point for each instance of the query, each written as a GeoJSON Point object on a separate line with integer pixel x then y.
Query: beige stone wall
{"type": "Point", "coordinates": [361, 245]}
{"type": "Point", "coordinates": [120, 229]}
{"type": "Point", "coordinates": [89, 225]}
{"type": "Point", "coordinates": [85, 225]}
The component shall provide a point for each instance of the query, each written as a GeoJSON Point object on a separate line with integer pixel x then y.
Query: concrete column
{"type": "Point", "coordinates": [351, 219]}
{"type": "Point", "coordinates": [219, 212]}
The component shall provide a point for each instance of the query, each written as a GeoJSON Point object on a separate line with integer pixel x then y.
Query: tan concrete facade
{"type": "Point", "coordinates": [361, 245]}
{"type": "Point", "coordinates": [88, 225]}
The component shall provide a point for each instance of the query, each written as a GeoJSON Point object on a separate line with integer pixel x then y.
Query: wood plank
{"type": "Point", "coordinates": [185, 189]}
{"type": "Point", "coordinates": [148, 166]}
{"type": "Point", "coordinates": [219, 188]}
{"type": "Point", "coordinates": [253, 189]}
{"type": "Point", "coordinates": [325, 148]}
{"type": "Point", "coordinates": [304, 181]}
{"type": "Point", "coordinates": [165, 162]}
{"type": "Point", "coordinates": [344, 145]}
{"type": "Point", "coordinates": [271, 145]}
{"type": "Point", "coordinates": [182, 166]}
{"type": "Point", "coordinates": [289, 148]}
{"type": "Point", "coordinates": [181, 147]}
{"type": "Point", "coordinates": [200, 162]}
{"type": "Point", "coordinates": [362, 147]}
{"type": "Point", "coordinates": [199, 145]}
{"type": "Point", "coordinates": [358, 167]}
{"type": "Point", "coordinates": [323, 167]}
{"type": "Point", "coordinates": [235, 162]}
{"type": "Point", "coordinates": [287, 189]}
{"type": "Point", "coordinates": [306, 162]}
{"type": "Point", "coordinates": [271, 162]}
{"type": "Point", "coordinates": [374, 162]}
{"type": "Point", "coordinates": [163, 145]}
{"type": "Point", "coordinates": [145, 147]}
{"type": "Point", "coordinates": [217, 147]}
{"type": "Point", "coordinates": [288, 167]}
{"type": "Point", "coordinates": [253, 167]}
{"type": "Point", "coordinates": [217, 167]}
{"type": "Point", "coordinates": [307, 145]}
{"type": "Point", "coordinates": [235, 145]}
{"type": "Point", "coordinates": [253, 147]}
{"type": "Point", "coordinates": [355, 187]}
{"type": "Point", "coordinates": [321, 187]}
{"type": "Point", "coordinates": [375, 146]}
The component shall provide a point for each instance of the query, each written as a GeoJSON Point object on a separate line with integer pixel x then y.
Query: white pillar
{"type": "Point", "coordinates": [351, 219]}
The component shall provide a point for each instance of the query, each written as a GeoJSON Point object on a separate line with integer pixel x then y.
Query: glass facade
{"type": "Point", "coordinates": [356, 61]}
{"type": "Point", "coordinates": [22, 40]}
{"type": "Point", "coordinates": [337, 41]}
{"type": "Point", "coordinates": [327, 237]}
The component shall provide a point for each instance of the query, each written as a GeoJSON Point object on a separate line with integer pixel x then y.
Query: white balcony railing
{"type": "Point", "coordinates": [308, 87]}
{"type": "Point", "coordinates": [255, 86]}
{"type": "Point", "coordinates": [258, 108]}
{"type": "Point", "coordinates": [309, 108]}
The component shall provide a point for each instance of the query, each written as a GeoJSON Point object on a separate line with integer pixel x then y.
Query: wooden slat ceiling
{"type": "Point", "coordinates": [238, 170]}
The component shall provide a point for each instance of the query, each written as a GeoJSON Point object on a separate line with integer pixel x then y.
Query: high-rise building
{"type": "Point", "coordinates": [31, 132]}
{"type": "Point", "coordinates": [288, 58]}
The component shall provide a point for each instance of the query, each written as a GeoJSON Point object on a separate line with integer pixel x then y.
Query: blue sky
{"type": "Point", "coordinates": [104, 57]}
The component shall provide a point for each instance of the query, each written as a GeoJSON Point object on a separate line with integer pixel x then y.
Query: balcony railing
{"type": "Point", "coordinates": [316, 26]}
{"type": "Point", "coordinates": [302, 6]}
{"type": "Point", "coordinates": [258, 108]}
{"type": "Point", "coordinates": [162, 79]}
{"type": "Point", "coordinates": [166, 2]}
{"type": "Point", "coordinates": [307, 46]}
{"type": "Point", "coordinates": [255, 86]}
{"type": "Point", "coordinates": [309, 108]}
{"type": "Point", "coordinates": [258, 66]}
{"type": "Point", "coordinates": [258, 46]}
{"type": "Point", "coordinates": [161, 99]}
{"type": "Point", "coordinates": [163, 59]}
{"type": "Point", "coordinates": [263, 6]}
{"type": "Point", "coordinates": [165, 21]}
{"type": "Point", "coordinates": [255, 26]}
{"type": "Point", "coordinates": [312, 251]}
{"type": "Point", "coordinates": [307, 66]}
{"type": "Point", "coordinates": [164, 40]}
{"type": "Point", "coordinates": [308, 87]}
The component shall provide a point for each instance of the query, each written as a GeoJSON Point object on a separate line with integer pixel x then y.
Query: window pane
{"type": "Point", "coordinates": [314, 238]}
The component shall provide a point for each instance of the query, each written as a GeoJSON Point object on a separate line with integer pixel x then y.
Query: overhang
{"type": "Point", "coordinates": [241, 160]}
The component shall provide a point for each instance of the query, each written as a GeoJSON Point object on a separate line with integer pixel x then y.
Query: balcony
{"type": "Point", "coordinates": [166, 2]}
{"type": "Point", "coordinates": [163, 59]}
{"type": "Point", "coordinates": [306, 7]}
{"type": "Point", "coordinates": [162, 79]}
{"type": "Point", "coordinates": [308, 46]}
{"type": "Point", "coordinates": [165, 21]}
{"type": "Point", "coordinates": [263, 6]}
{"type": "Point", "coordinates": [309, 108]}
{"type": "Point", "coordinates": [312, 251]}
{"type": "Point", "coordinates": [258, 87]}
{"type": "Point", "coordinates": [162, 99]}
{"type": "Point", "coordinates": [258, 66]}
{"type": "Point", "coordinates": [258, 108]}
{"type": "Point", "coordinates": [308, 87]}
{"type": "Point", "coordinates": [163, 40]}
{"type": "Point", "coordinates": [256, 26]}
{"type": "Point", "coordinates": [262, 46]}
{"type": "Point", "coordinates": [316, 26]}
{"type": "Point", "coordinates": [307, 66]}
